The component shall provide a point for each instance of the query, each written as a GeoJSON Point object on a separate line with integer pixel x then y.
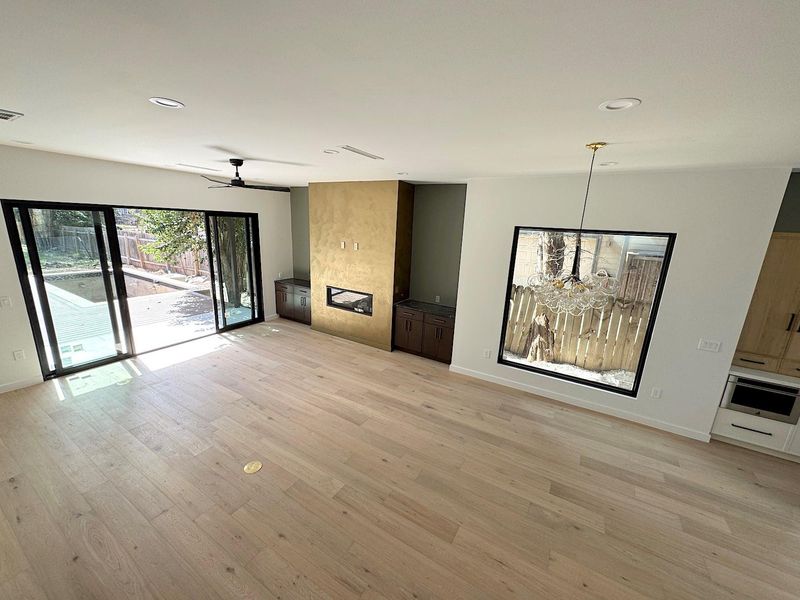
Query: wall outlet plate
{"type": "Point", "coordinates": [487, 353]}
{"type": "Point", "coordinates": [355, 245]}
{"type": "Point", "coordinates": [343, 244]}
{"type": "Point", "coordinates": [19, 354]}
{"type": "Point", "coordinates": [437, 299]}
{"type": "Point", "coordinates": [5, 301]}
{"type": "Point", "coordinates": [655, 393]}
{"type": "Point", "coordinates": [708, 345]}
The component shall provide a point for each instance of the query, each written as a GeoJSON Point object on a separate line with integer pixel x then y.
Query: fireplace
{"type": "Point", "coordinates": [351, 300]}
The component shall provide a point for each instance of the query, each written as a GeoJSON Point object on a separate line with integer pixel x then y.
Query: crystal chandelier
{"type": "Point", "coordinates": [568, 291]}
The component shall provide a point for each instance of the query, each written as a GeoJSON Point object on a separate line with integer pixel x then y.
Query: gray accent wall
{"type": "Point", "coordinates": [301, 259]}
{"type": "Point", "coordinates": [436, 241]}
{"type": "Point", "coordinates": [789, 214]}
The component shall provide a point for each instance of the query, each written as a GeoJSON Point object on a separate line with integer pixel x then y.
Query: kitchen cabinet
{"type": "Point", "coordinates": [293, 299]}
{"type": "Point", "coordinates": [771, 332]}
{"type": "Point", "coordinates": [425, 329]}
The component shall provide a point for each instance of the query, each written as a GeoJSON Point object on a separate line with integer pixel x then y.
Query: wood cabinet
{"type": "Point", "coordinates": [425, 329]}
{"type": "Point", "coordinates": [293, 299]}
{"type": "Point", "coordinates": [408, 330]}
{"type": "Point", "coordinates": [771, 332]}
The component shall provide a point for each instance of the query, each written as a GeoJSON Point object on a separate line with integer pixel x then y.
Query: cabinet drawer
{"type": "Point", "coordinates": [409, 313]}
{"type": "Point", "coordinates": [790, 367]}
{"type": "Point", "coordinates": [440, 321]}
{"type": "Point", "coordinates": [751, 429]}
{"type": "Point", "coordinates": [755, 361]}
{"type": "Point", "coordinates": [284, 287]}
{"type": "Point", "coordinates": [302, 291]}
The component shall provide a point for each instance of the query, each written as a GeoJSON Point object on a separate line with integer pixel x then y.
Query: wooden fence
{"type": "Point", "coordinates": [130, 247]}
{"type": "Point", "coordinates": [600, 340]}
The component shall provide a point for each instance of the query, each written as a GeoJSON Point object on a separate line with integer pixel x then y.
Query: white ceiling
{"type": "Point", "coordinates": [444, 90]}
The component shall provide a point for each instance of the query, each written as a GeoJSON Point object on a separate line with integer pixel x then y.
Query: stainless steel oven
{"type": "Point", "coordinates": [777, 401]}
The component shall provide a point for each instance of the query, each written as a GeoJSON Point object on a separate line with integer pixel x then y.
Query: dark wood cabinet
{"type": "Point", "coordinates": [425, 329]}
{"type": "Point", "coordinates": [293, 299]}
{"type": "Point", "coordinates": [302, 308]}
{"type": "Point", "coordinates": [408, 331]}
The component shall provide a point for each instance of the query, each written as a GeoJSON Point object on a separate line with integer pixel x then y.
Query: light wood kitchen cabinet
{"type": "Point", "coordinates": [771, 333]}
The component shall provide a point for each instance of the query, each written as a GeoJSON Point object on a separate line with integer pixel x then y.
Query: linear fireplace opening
{"type": "Point", "coordinates": [358, 302]}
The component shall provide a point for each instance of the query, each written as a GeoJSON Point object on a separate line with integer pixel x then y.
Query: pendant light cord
{"type": "Point", "coordinates": [576, 260]}
{"type": "Point", "coordinates": [588, 183]}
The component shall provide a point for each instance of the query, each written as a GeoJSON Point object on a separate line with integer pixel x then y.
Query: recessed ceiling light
{"type": "Point", "coordinates": [402, 173]}
{"type": "Point", "coordinates": [610, 163]}
{"type": "Point", "coordinates": [166, 102]}
{"type": "Point", "coordinates": [330, 151]}
{"type": "Point", "coordinates": [620, 104]}
{"type": "Point", "coordinates": [22, 142]}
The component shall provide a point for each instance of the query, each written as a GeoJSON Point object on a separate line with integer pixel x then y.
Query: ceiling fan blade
{"type": "Point", "coordinates": [269, 160]}
{"type": "Point", "coordinates": [271, 188]}
{"type": "Point", "coordinates": [234, 154]}
{"type": "Point", "coordinates": [226, 183]}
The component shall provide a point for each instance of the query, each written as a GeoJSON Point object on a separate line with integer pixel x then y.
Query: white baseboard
{"type": "Point", "coordinates": [18, 385]}
{"type": "Point", "coordinates": [575, 401]}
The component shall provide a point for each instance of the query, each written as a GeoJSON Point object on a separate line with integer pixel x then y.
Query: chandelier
{"type": "Point", "coordinates": [568, 291]}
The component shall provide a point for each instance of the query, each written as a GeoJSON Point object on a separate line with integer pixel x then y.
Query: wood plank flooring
{"type": "Point", "coordinates": [385, 477]}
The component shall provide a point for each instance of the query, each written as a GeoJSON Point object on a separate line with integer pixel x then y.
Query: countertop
{"type": "Point", "coordinates": [295, 281]}
{"type": "Point", "coordinates": [429, 307]}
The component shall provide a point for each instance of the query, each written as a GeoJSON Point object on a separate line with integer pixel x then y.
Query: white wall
{"type": "Point", "coordinates": [723, 220]}
{"type": "Point", "coordinates": [32, 175]}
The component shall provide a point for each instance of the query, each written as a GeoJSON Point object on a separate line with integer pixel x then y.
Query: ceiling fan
{"type": "Point", "coordinates": [238, 182]}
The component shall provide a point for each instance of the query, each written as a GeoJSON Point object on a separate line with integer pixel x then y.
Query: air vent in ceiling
{"type": "Point", "coordinates": [198, 167]}
{"type": "Point", "coordinates": [361, 152]}
{"type": "Point", "coordinates": [9, 115]}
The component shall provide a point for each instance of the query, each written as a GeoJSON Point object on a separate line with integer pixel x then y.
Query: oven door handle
{"type": "Point", "coordinates": [766, 389]}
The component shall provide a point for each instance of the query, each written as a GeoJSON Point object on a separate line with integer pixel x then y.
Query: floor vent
{"type": "Point", "coordinates": [9, 115]}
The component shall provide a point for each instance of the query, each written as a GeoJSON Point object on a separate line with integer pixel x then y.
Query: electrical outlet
{"type": "Point", "coordinates": [5, 302]}
{"type": "Point", "coordinates": [655, 393]}
{"type": "Point", "coordinates": [437, 299]}
{"type": "Point", "coordinates": [355, 245]}
{"type": "Point", "coordinates": [19, 354]}
{"type": "Point", "coordinates": [343, 244]}
{"type": "Point", "coordinates": [708, 345]}
{"type": "Point", "coordinates": [280, 274]}
{"type": "Point", "coordinates": [487, 353]}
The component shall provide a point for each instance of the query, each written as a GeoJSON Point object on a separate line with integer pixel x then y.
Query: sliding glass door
{"type": "Point", "coordinates": [63, 253]}
{"type": "Point", "coordinates": [103, 283]}
{"type": "Point", "coordinates": [233, 243]}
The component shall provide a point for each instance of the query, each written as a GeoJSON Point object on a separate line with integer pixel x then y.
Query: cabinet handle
{"type": "Point", "coordinates": [791, 320]}
{"type": "Point", "coordinates": [750, 429]}
{"type": "Point", "coordinates": [755, 362]}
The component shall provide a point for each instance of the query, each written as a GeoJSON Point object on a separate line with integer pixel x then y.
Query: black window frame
{"type": "Point", "coordinates": [633, 393]}
{"type": "Point", "coordinates": [8, 206]}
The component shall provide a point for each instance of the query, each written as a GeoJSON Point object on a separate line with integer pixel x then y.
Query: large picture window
{"type": "Point", "coordinates": [604, 344]}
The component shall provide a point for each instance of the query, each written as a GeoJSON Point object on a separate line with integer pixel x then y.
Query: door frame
{"type": "Point", "coordinates": [113, 252]}
{"type": "Point", "coordinates": [252, 242]}
{"type": "Point", "coordinates": [23, 206]}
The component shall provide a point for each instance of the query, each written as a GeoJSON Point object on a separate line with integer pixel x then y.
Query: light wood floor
{"type": "Point", "coordinates": [384, 477]}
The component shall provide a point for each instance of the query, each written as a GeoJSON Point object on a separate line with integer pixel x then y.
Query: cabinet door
{"type": "Point", "coordinates": [302, 309]}
{"type": "Point", "coordinates": [430, 340]}
{"type": "Point", "coordinates": [772, 317]}
{"type": "Point", "coordinates": [400, 332]}
{"type": "Point", "coordinates": [444, 350]}
{"type": "Point", "coordinates": [415, 336]}
{"type": "Point", "coordinates": [281, 304]}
